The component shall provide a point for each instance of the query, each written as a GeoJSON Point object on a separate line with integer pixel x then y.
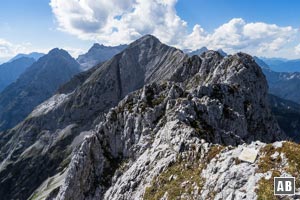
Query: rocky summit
{"type": "Point", "coordinates": [151, 123]}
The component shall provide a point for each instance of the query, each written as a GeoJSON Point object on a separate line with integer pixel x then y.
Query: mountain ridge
{"type": "Point", "coordinates": [282, 84]}
{"type": "Point", "coordinates": [283, 65]}
{"type": "Point", "coordinates": [148, 98]}
{"type": "Point", "coordinates": [34, 55]}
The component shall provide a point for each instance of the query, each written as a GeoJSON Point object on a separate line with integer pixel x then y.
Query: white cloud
{"type": "Point", "coordinates": [114, 22]}
{"type": "Point", "coordinates": [117, 22]}
{"type": "Point", "coordinates": [8, 49]}
{"type": "Point", "coordinates": [237, 35]}
{"type": "Point", "coordinates": [297, 49]}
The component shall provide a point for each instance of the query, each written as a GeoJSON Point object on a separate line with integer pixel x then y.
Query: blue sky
{"type": "Point", "coordinates": [266, 27]}
{"type": "Point", "coordinates": [213, 13]}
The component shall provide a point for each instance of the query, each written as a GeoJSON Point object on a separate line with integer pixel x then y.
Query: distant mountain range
{"type": "Point", "coordinates": [282, 84]}
{"type": "Point", "coordinates": [36, 84]}
{"type": "Point", "coordinates": [287, 114]}
{"type": "Point", "coordinates": [34, 55]}
{"type": "Point", "coordinates": [10, 71]}
{"type": "Point", "coordinates": [282, 65]}
{"type": "Point", "coordinates": [97, 54]}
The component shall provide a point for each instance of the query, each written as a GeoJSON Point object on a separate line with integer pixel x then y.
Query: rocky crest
{"type": "Point", "coordinates": [172, 108]}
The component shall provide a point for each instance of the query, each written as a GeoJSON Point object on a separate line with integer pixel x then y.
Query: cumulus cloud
{"type": "Point", "coordinates": [261, 37]}
{"type": "Point", "coordinates": [9, 50]}
{"type": "Point", "coordinates": [117, 22]}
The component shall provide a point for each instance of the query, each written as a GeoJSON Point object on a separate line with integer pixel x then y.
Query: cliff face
{"type": "Point", "coordinates": [172, 107]}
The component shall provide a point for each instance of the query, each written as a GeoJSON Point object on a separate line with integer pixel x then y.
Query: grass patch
{"type": "Point", "coordinates": [266, 163]}
{"type": "Point", "coordinates": [213, 152]}
{"type": "Point", "coordinates": [292, 153]}
{"type": "Point", "coordinates": [172, 179]}
{"type": "Point", "coordinates": [265, 189]}
{"type": "Point", "coordinates": [181, 177]}
{"type": "Point", "coordinates": [158, 100]}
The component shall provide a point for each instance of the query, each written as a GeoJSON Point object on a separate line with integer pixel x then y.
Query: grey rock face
{"type": "Point", "coordinates": [97, 54]}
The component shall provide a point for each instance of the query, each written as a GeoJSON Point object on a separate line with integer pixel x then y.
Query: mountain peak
{"type": "Point", "coordinates": [97, 46]}
{"type": "Point", "coordinates": [146, 39]}
{"type": "Point", "coordinates": [149, 36]}
{"type": "Point", "coordinates": [57, 51]}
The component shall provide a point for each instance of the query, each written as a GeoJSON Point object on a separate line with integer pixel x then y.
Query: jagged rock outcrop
{"type": "Point", "coordinates": [171, 104]}
{"type": "Point", "coordinates": [97, 54]}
